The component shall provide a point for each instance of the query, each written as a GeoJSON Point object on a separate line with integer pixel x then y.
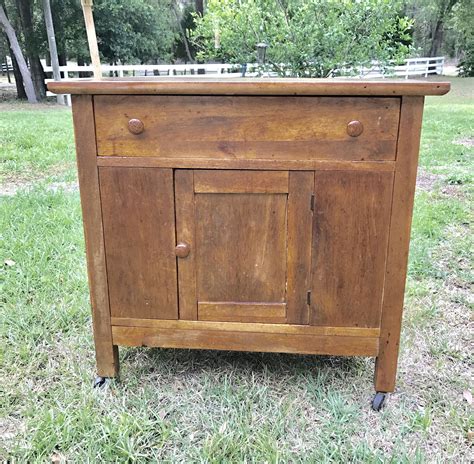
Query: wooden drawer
{"type": "Point", "coordinates": [245, 127]}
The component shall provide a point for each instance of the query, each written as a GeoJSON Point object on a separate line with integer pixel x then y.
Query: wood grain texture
{"type": "Point", "coordinates": [268, 164]}
{"type": "Point", "coordinates": [226, 181]}
{"type": "Point", "coordinates": [241, 247]}
{"type": "Point", "coordinates": [351, 224]}
{"type": "Point", "coordinates": [106, 352]}
{"type": "Point", "coordinates": [249, 86]}
{"type": "Point", "coordinates": [244, 127]}
{"type": "Point", "coordinates": [252, 341]}
{"type": "Point", "coordinates": [185, 231]}
{"type": "Point", "coordinates": [139, 230]}
{"type": "Point", "coordinates": [399, 241]}
{"type": "Point", "coordinates": [248, 327]}
{"type": "Point", "coordinates": [300, 218]}
{"type": "Point", "coordinates": [274, 313]}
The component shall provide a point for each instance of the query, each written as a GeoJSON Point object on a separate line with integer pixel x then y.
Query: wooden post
{"type": "Point", "coordinates": [53, 51]}
{"type": "Point", "coordinates": [91, 37]}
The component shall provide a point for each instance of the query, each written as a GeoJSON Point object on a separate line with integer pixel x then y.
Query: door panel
{"type": "Point", "coordinates": [350, 237]}
{"type": "Point", "coordinates": [139, 233]}
{"type": "Point", "coordinates": [243, 250]}
{"type": "Point", "coordinates": [241, 247]}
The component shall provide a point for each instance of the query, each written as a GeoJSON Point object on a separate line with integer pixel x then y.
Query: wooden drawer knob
{"type": "Point", "coordinates": [182, 250]}
{"type": "Point", "coordinates": [355, 128]}
{"type": "Point", "coordinates": [135, 126]}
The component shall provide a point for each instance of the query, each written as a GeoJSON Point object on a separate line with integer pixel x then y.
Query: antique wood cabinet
{"type": "Point", "coordinates": [250, 214]}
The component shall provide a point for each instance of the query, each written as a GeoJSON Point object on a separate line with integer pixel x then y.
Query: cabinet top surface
{"type": "Point", "coordinates": [249, 86]}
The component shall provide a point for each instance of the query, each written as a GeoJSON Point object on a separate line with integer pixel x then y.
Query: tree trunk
{"type": "Point", "coordinates": [62, 62]}
{"type": "Point", "coordinates": [438, 33]}
{"type": "Point", "coordinates": [20, 89]}
{"type": "Point", "coordinates": [81, 62]}
{"type": "Point", "coordinates": [437, 39]}
{"type": "Point", "coordinates": [37, 73]}
{"type": "Point", "coordinates": [199, 6]}
{"type": "Point", "coordinates": [53, 51]}
{"type": "Point", "coordinates": [182, 31]}
{"type": "Point", "coordinates": [15, 46]}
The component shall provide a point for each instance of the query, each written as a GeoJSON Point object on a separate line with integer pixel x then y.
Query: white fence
{"type": "Point", "coordinates": [413, 67]}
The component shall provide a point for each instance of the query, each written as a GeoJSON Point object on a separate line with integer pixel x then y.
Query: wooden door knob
{"type": "Point", "coordinates": [355, 128]}
{"type": "Point", "coordinates": [182, 250]}
{"type": "Point", "coordinates": [135, 126]}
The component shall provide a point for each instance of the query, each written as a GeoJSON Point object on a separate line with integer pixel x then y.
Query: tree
{"type": "Point", "coordinates": [463, 24]}
{"type": "Point", "coordinates": [20, 88]}
{"type": "Point", "coordinates": [32, 46]}
{"type": "Point", "coordinates": [433, 32]}
{"type": "Point", "coordinates": [312, 38]}
{"type": "Point", "coordinates": [128, 31]}
{"type": "Point", "coordinates": [443, 10]}
{"type": "Point", "coordinates": [134, 30]}
{"type": "Point", "coordinates": [5, 51]}
{"type": "Point", "coordinates": [185, 21]}
{"type": "Point", "coordinates": [15, 46]}
{"type": "Point", "coordinates": [199, 7]}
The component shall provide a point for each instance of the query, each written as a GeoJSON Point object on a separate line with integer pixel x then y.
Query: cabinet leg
{"type": "Point", "coordinates": [386, 370]}
{"type": "Point", "coordinates": [385, 375]}
{"type": "Point", "coordinates": [107, 360]}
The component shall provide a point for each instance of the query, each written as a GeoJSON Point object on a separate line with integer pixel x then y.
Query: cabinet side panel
{"type": "Point", "coordinates": [139, 227]}
{"type": "Point", "coordinates": [351, 224]}
{"type": "Point", "coordinates": [400, 226]}
{"type": "Point", "coordinates": [84, 130]}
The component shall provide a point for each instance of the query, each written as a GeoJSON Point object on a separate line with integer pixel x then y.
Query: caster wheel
{"type": "Point", "coordinates": [100, 382]}
{"type": "Point", "coordinates": [379, 401]}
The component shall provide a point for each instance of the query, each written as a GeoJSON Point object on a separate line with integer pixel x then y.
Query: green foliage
{"type": "Point", "coordinates": [134, 30]}
{"type": "Point", "coordinates": [464, 25]}
{"type": "Point", "coordinates": [70, 30]}
{"type": "Point", "coordinates": [311, 38]}
{"type": "Point", "coordinates": [127, 30]}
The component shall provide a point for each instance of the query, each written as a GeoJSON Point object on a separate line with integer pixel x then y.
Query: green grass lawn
{"type": "Point", "coordinates": [203, 406]}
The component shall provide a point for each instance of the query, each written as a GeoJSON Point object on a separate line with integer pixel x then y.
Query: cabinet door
{"type": "Point", "coordinates": [350, 239]}
{"type": "Point", "coordinates": [139, 234]}
{"type": "Point", "coordinates": [248, 235]}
